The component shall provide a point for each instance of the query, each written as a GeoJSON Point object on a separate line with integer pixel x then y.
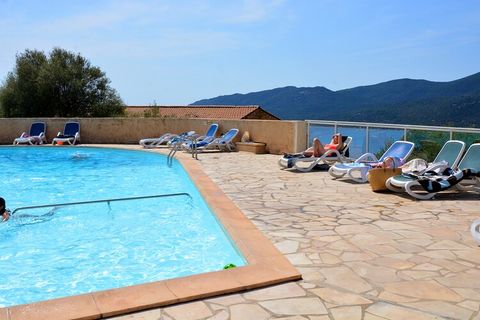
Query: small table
{"type": "Point", "coordinates": [255, 147]}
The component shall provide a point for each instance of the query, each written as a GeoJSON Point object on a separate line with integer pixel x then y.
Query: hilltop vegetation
{"type": "Point", "coordinates": [455, 103]}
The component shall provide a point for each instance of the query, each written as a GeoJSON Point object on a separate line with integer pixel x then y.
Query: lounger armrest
{"type": "Point", "coordinates": [42, 137]}
{"type": "Point", "coordinates": [330, 152]}
{"type": "Point", "coordinates": [23, 135]}
{"type": "Point", "coordinates": [59, 133]}
{"type": "Point", "coordinates": [367, 157]}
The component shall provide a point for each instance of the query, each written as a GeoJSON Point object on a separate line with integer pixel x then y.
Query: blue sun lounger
{"type": "Point", "coordinates": [36, 135]}
{"type": "Point", "coordinates": [399, 149]}
{"type": "Point", "coordinates": [71, 134]}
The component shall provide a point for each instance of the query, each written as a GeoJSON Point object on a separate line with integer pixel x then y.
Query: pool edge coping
{"type": "Point", "coordinates": [266, 266]}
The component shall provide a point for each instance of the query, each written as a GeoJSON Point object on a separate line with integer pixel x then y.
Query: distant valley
{"type": "Point", "coordinates": [453, 103]}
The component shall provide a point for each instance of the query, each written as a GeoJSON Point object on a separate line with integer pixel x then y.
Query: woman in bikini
{"type": "Point", "coordinates": [317, 149]}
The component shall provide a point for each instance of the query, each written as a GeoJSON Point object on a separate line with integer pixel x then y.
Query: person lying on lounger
{"type": "Point", "coordinates": [317, 149]}
{"type": "Point", "coordinates": [389, 162]}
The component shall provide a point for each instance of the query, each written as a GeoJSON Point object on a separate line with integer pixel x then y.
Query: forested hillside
{"type": "Point", "coordinates": [410, 101]}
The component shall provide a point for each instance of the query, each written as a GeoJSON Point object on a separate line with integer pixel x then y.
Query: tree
{"type": "Point", "coordinates": [64, 84]}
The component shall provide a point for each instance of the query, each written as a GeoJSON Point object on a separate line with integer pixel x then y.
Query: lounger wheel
{"type": "Point", "coordinates": [475, 230]}
{"type": "Point", "coordinates": [335, 174]}
{"type": "Point", "coordinates": [421, 196]}
{"type": "Point", "coordinates": [392, 187]}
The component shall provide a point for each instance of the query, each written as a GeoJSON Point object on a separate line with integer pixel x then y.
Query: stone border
{"type": "Point", "coordinates": [266, 266]}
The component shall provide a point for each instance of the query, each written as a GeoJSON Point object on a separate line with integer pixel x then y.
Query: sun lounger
{"type": "Point", "coordinates": [201, 141]}
{"type": "Point", "coordinates": [36, 135]}
{"type": "Point", "coordinates": [304, 164]}
{"type": "Point", "coordinates": [448, 156]}
{"type": "Point", "coordinates": [71, 134]}
{"type": "Point", "coordinates": [157, 142]}
{"type": "Point", "coordinates": [399, 149]}
{"type": "Point", "coordinates": [223, 143]}
{"type": "Point", "coordinates": [466, 178]}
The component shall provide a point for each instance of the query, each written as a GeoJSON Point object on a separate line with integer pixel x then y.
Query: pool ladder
{"type": "Point", "coordinates": [178, 145]}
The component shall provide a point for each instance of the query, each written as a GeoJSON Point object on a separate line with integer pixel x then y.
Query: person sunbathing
{"type": "Point", "coordinates": [317, 149]}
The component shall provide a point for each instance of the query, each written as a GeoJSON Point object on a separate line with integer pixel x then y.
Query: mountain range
{"type": "Point", "coordinates": [409, 101]}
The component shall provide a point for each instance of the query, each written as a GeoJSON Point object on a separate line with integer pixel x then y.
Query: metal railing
{"type": "Point", "coordinates": [402, 130]}
{"type": "Point", "coordinates": [102, 200]}
{"type": "Point", "coordinates": [178, 146]}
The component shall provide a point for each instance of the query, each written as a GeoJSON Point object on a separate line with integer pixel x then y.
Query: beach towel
{"type": "Point", "coordinates": [432, 181]}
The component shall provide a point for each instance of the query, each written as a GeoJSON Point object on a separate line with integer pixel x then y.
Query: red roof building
{"type": "Point", "coordinates": [201, 112]}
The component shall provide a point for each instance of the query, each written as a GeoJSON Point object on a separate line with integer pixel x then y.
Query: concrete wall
{"type": "Point", "coordinates": [280, 136]}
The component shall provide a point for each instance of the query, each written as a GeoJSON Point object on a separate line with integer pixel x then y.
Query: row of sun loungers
{"type": "Point", "coordinates": [36, 135]}
{"type": "Point", "coordinates": [422, 180]}
{"type": "Point", "coordinates": [192, 142]}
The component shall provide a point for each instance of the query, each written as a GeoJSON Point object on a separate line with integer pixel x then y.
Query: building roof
{"type": "Point", "coordinates": [203, 112]}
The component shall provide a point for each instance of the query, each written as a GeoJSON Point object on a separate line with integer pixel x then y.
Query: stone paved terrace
{"type": "Point", "coordinates": [362, 255]}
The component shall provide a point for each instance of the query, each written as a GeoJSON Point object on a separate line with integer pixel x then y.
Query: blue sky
{"type": "Point", "coordinates": [176, 52]}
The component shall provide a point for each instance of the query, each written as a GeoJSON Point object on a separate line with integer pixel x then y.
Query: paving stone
{"type": "Point", "coordinates": [222, 315]}
{"type": "Point", "coordinates": [356, 256]}
{"type": "Point", "coordinates": [428, 290]}
{"type": "Point", "coordinates": [470, 255]}
{"type": "Point", "coordinates": [328, 258]}
{"type": "Point", "coordinates": [369, 316]}
{"type": "Point", "coordinates": [298, 259]}
{"type": "Point", "coordinates": [468, 293]}
{"type": "Point", "coordinates": [427, 267]}
{"type": "Point", "coordinates": [398, 264]}
{"type": "Point", "coordinates": [443, 309]}
{"type": "Point", "coordinates": [227, 300]}
{"type": "Point", "coordinates": [248, 311]}
{"type": "Point", "coordinates": [340, 297]}
{"type": "Point", "coordinates": [388, 296]}
{"type": "Point", "coordinates": [287, 246]}
{"type": "Point", "coordinates": [287, 290]}
{"type": "Point", "coordinates": [345, 278]}
{"type": "Point", "coordinates": [347, 313]}
{"type": "Point", "coordinates": [393, 312]}
{"type": "Point", "coordinates": [189, 311]}
{"type": "Point", "coordinates": [418, 275]}
{"type": "Point", "coordinates": [470, 304]}
{"type": "Point", "coordinates": [373, 273]}
{"type": "Point", "coordinates": [462, 280]}
{"type": "Point", "coordinates": [295, 306]}
{"type": "Point", "coordinates": [448, 245]}
{"type": "Point", "coordinates": [142, 315]}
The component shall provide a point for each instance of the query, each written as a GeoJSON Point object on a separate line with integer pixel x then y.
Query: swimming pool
{"type": "Point", "coordinates": [85, 248]}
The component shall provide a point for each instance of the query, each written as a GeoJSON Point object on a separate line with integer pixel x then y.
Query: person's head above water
{"type": "Point", "coordinates": [4, 213]}
{"type": "Point", "coordinates": [2, 205]}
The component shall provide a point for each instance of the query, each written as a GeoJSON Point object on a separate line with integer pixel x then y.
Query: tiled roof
{"type": "Point", "coordinates": [204, 112]}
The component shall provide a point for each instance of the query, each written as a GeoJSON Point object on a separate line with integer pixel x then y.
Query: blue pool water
{"type": "Point", "coordinates": [47, 253]}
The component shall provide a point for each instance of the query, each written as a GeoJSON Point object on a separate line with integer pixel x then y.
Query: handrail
{"type": "Point", "coordinates": [103, 200]}
{"type": "Point", "coordinates": [177, 146]}
{"type": "Point", "coordinates": [172, 152]}
{"type": "Point", "coordinates": [393, 126]}
{"type": "Point", "coordinates": [367, 126]}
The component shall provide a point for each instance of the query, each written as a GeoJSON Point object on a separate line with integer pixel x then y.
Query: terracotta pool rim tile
{"type": "Point", "coordinates": [266, 265]}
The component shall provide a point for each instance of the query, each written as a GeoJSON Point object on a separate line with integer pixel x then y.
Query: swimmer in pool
{"type": "Point", "coordinates": [4, 213]}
